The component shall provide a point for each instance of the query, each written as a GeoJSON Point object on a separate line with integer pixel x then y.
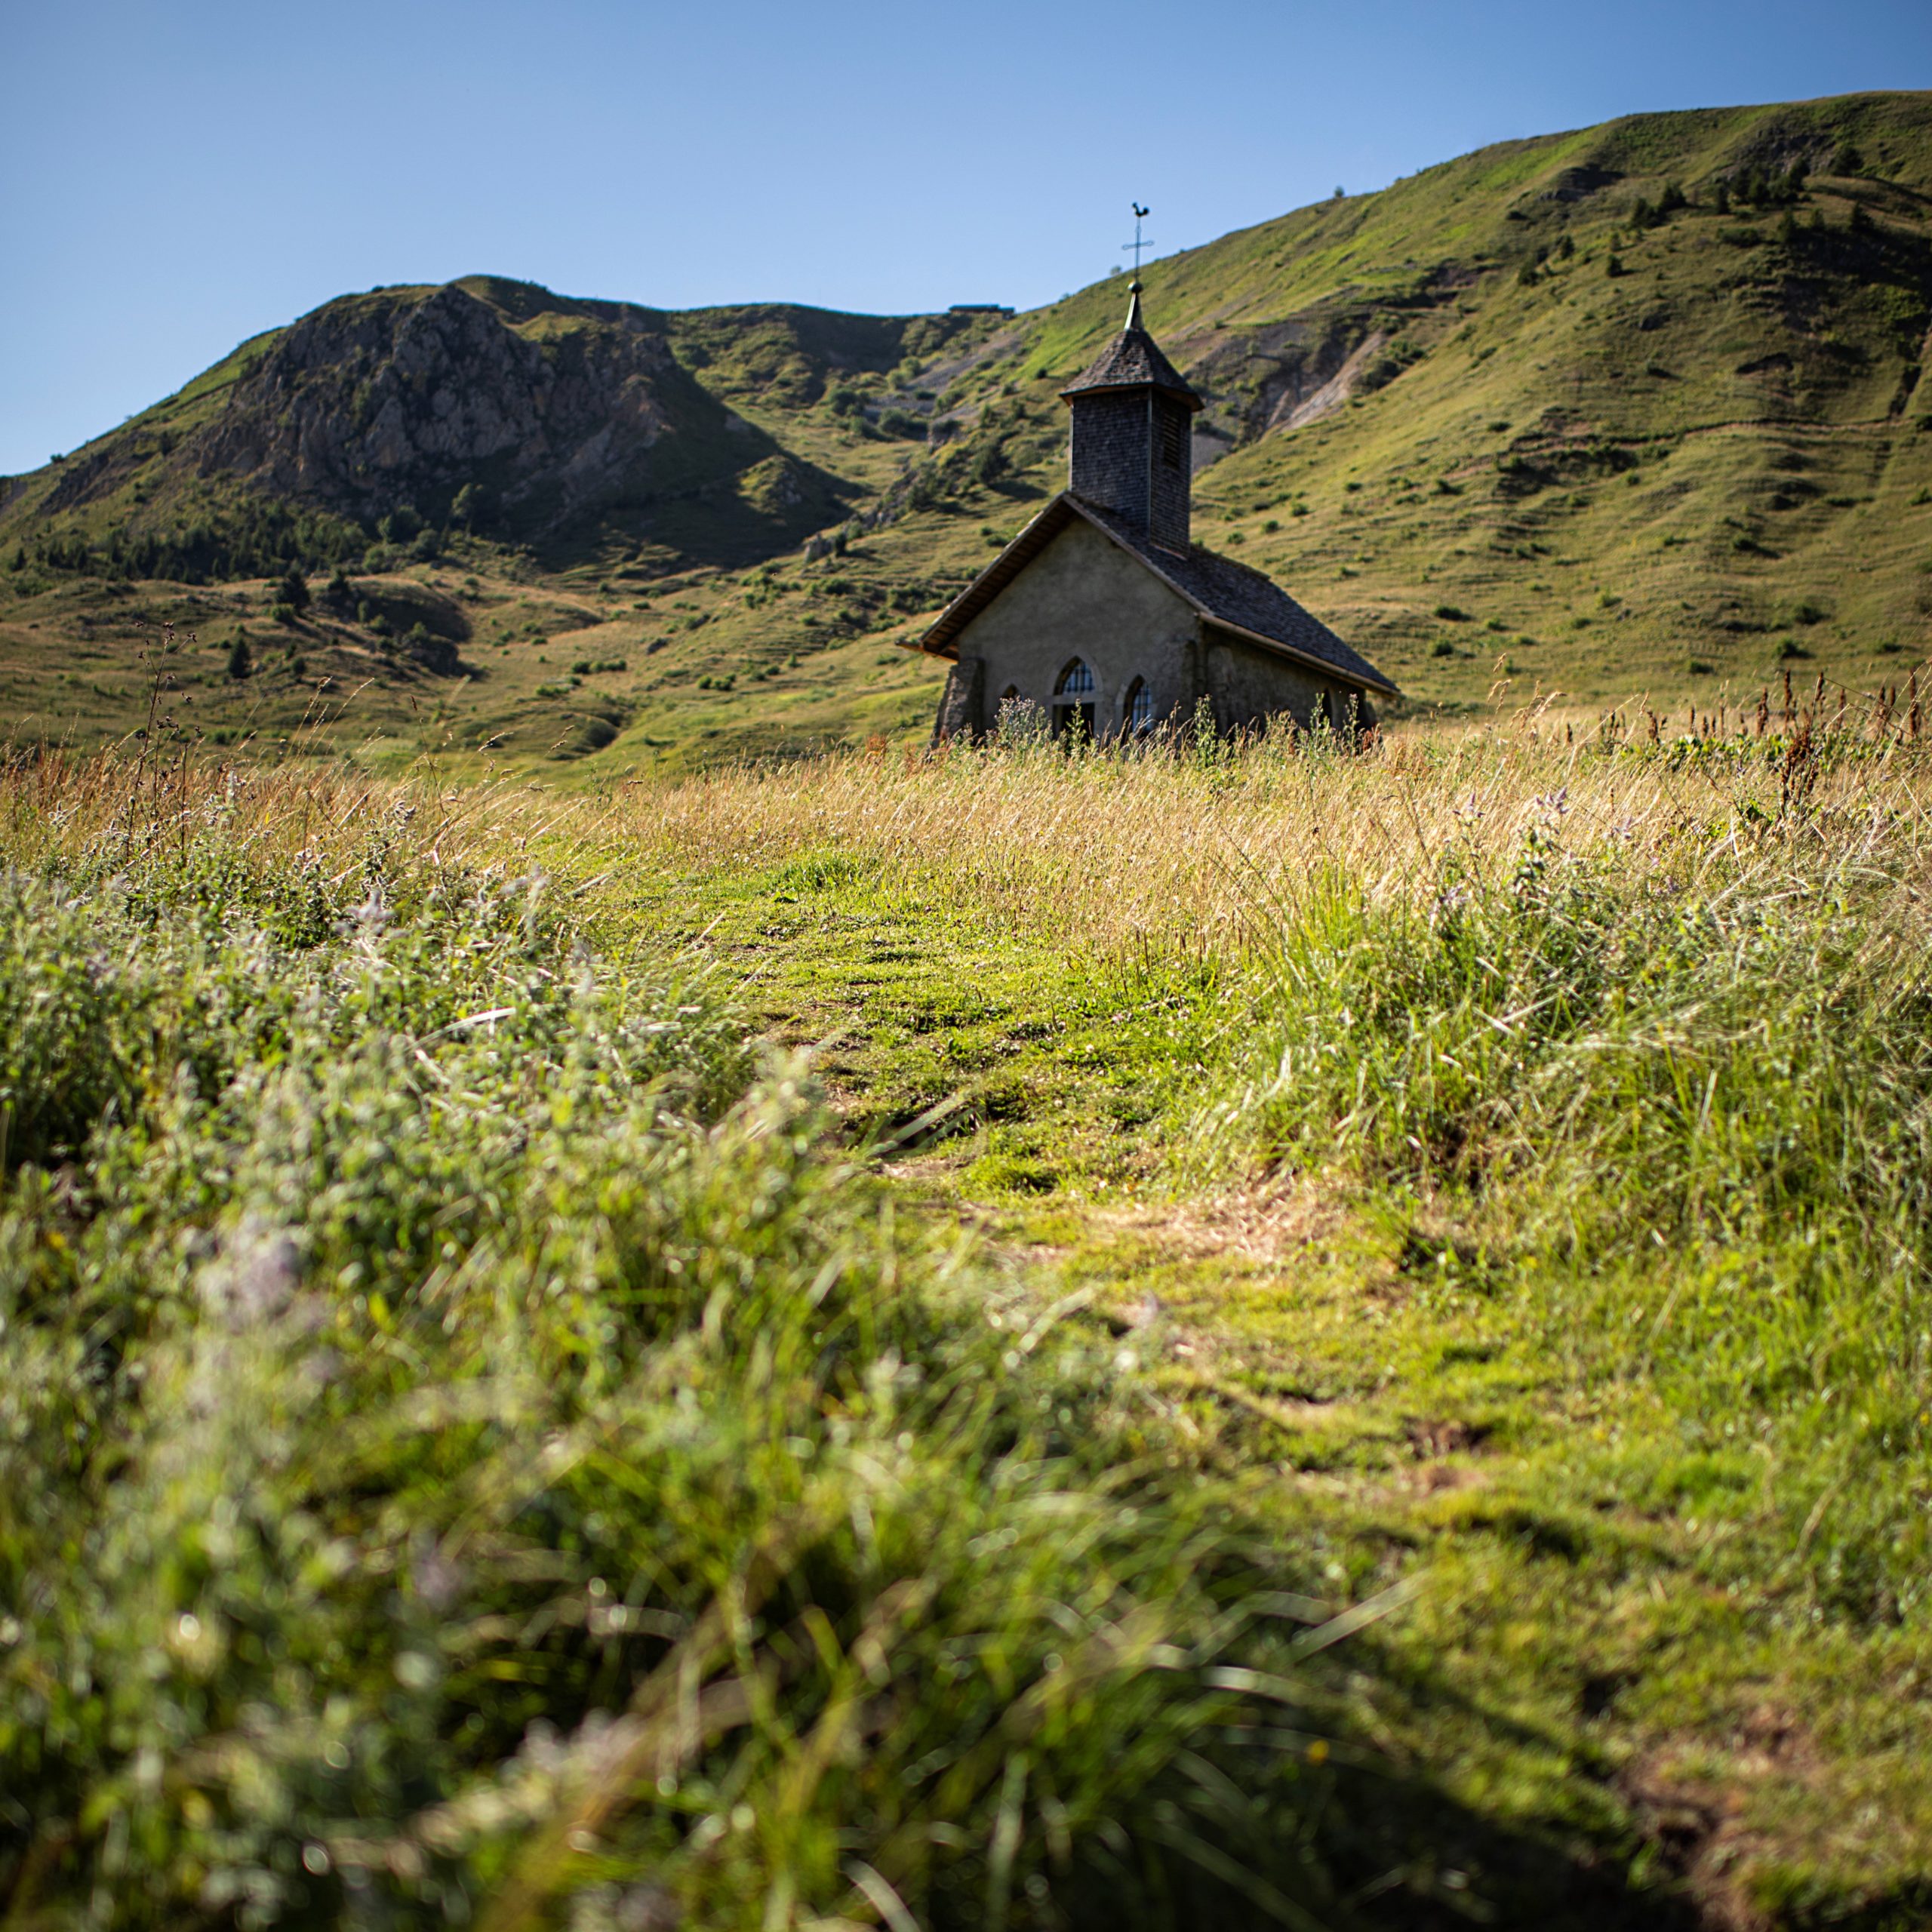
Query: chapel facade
{"type": "Point", "coordinates": [1103, 614]}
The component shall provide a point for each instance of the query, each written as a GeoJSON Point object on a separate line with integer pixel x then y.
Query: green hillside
{"type": "Point", "coordinates": [1633, 410]}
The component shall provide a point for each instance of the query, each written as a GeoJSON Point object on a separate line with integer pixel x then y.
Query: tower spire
{"type": "Point", "coordinates": [1130, 451]}
{"type": "Point", "coordinates": [1140, 214]}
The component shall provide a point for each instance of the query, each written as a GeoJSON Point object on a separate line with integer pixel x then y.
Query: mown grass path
{"type": "Point", "coordinates": [1609, 1649]}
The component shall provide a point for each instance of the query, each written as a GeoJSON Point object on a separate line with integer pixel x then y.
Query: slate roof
{"type": "Point", "coordinates": [1132, 361]}
{"type": "Point", "coordinates": [1223, 592]}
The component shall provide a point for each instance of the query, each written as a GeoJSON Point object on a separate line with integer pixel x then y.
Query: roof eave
{"type": "Point", "coordinates": [1186, 396]}
{"type": "Point", "coordinates": [937, 639]}
{"type": "Point", "coordinates": [1289, 650]}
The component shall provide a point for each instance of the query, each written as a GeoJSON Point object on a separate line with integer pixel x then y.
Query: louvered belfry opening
{"type": "Point", "coordinates": [1130, 446]}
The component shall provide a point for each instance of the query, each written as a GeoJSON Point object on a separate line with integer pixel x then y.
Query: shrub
{"type": "Point", "coordinates": [292, 589]}
{"type": "Point", "coordinates": [1452, 614]}
{"type": "Point", "coordinates": [240, 664]}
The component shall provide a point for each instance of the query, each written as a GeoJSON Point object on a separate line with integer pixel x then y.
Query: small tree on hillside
{"type": "Point", "coordinates": [293, 590]}
{"type": "Point", "coordinates": [240, 664]}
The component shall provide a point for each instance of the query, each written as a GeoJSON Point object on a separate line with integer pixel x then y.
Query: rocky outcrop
{"type": "Point", "coordinates": [1279, 376]}
{"type": "Point", "coordinates": [401, 396]}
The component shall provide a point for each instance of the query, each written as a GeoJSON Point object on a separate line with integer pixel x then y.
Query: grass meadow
{"type": "Point", "coordinates": [1235, 1337]}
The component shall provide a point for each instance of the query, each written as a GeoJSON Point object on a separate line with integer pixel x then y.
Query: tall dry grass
{"type": "Point", "coordinates": [1102, 851]}
{"type": "Point", "coordinates": [1116, 854]}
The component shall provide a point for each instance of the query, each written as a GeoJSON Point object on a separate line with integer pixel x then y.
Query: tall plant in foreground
{"type": "Point", "coordinates": [468, 1454]}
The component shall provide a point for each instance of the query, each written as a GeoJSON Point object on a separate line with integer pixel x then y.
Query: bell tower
{"type": "Point", "coordinates": [1132, 427]}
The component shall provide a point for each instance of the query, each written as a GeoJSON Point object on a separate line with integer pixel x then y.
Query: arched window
{"type": "Point", "coordinates": [1010, 695]}
{"type": "Point", "coordinates": [1137, 715]}
{"type": "Point", "coordinates": [1074, 701]}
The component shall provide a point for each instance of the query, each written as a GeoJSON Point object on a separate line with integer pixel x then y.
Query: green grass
{"type": "Point", "coordinates": [1482, 1183]}
{"type": "Point", "coordinates": [1509, 1160]}
{"type": "Point", "coordinates": [474, 1449]}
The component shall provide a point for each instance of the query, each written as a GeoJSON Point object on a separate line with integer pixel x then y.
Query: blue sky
{"type": "Point", "coordinates": [180, 177]}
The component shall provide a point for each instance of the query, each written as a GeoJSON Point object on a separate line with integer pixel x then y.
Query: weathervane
{"type": "Point", "coordinates": [1137, 245]}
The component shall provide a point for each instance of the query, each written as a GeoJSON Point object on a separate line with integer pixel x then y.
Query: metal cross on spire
{"type": "Point", "coordinates": [1137, 245]}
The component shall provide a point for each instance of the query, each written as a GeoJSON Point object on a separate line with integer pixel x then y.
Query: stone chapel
{"type": "Point", "coordinates": [1104, 610]}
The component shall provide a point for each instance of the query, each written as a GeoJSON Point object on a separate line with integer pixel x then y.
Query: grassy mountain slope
{"type": "Point", "coordinates": [1632, 410]}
